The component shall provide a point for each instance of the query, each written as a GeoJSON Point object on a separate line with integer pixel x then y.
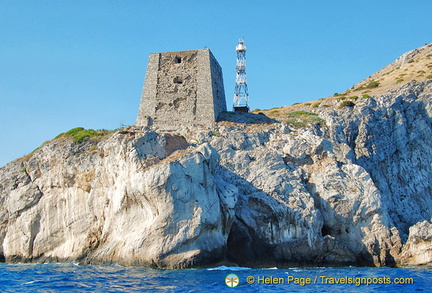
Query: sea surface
{"type": "Point", "coordinates": [116, 278]}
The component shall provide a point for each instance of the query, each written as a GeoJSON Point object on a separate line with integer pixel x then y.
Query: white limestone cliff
{"type": "Point", "coordinates": [355, 191]}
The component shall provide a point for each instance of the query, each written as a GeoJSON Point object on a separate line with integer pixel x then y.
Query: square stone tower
{"type": "Point", "coordinates": [182, 88]}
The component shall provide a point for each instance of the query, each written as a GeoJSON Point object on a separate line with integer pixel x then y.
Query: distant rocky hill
{"type": "Point", "coordinates": [413, 65]}
{"type": "Point", "coordinates": [338, 181]}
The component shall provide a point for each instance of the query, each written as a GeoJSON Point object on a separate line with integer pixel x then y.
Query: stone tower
{"type": "Point", "coordinates": [182, 88]}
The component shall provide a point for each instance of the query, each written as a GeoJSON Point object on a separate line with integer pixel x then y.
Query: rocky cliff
{"type": "Point", "coordinates": [334, 184]}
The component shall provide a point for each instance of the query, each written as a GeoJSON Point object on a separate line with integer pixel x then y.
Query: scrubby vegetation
{"type": "Point", "coordinates": [344, 98]}
{"type": "Point", "coordinates": [300, 119]}
{"type": "Point", "coordinates": [373, 84]}
{"type": "Point", "coordinates": [347, 104]}
{"type": "Point", "coordinates": [79, 134]}
{"type": "Point", "coordinates": [370, 85]}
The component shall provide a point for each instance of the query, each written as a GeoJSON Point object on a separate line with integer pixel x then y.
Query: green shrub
{"type": "Point", "coordinates": [341, 98]}
{"type": "Point", "coordinates": [317, 120]}
{"type": "Point", "coordinates": [300, 119]}
{"type": "Point", "coordinates": [372, 84]}
{"type": "Point", "coordinates": [316, 105]}
{"type": "Point", "coordinates": [84, 135]}
{"type": "Point", "coordinates": [308, 104]}
{"type": "Point", "coordinates": [399, 80]}
{"type": "Point", "coordinates": [346, 104]}
{"type": "Point", "coordinates": [365, 96]}
{"type": "Point", "coordinates": [429, 76]}
{"type": "Point", "coordinates": [296, 123]}
{"type": "Point", "coordinates": [73, 131]}
{"type": "Point", "coordinates": [79, 134]}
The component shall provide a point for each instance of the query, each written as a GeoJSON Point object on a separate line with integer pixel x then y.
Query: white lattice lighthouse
{"type": "Point", "coordinates": [241, 96]}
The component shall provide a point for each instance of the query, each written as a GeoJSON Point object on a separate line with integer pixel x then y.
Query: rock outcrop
{"type": "Point", "coordinates": [354, 191]}
{"type": "Point", "coordinates": [343, 182]}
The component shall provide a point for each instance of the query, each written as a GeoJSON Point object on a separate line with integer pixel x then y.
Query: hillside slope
{"type": "Point", "coordinates": [413, 65]}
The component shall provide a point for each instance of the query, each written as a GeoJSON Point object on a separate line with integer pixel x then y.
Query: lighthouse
{"type": "Point", "coordinates": [241, 96]}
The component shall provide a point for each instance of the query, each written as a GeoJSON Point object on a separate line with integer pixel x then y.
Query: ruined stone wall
{"type": "Point", "coordinates": [182, 88]}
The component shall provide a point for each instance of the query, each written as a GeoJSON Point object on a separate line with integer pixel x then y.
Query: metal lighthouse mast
{"type": "Point", "coordinates": [241, 96]}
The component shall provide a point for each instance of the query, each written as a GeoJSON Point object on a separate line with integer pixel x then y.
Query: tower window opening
{"type": "Point", "coordinates": [177, 60]}
{"type": "Point", "coordinates": [178, 80]}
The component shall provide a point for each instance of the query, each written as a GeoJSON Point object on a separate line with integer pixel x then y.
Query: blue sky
{"type": "Point", "coordinates": [69, 63]}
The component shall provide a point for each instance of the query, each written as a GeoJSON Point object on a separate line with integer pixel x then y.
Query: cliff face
{"type": "Point", "coordinates": [353, 189]}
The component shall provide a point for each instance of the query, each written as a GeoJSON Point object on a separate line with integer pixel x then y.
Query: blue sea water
{"type": "Point", "coordinates": [116, 278]}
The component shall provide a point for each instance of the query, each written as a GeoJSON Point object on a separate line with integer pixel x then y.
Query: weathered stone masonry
{"type": "Point", "coordinates": [182, 88]}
